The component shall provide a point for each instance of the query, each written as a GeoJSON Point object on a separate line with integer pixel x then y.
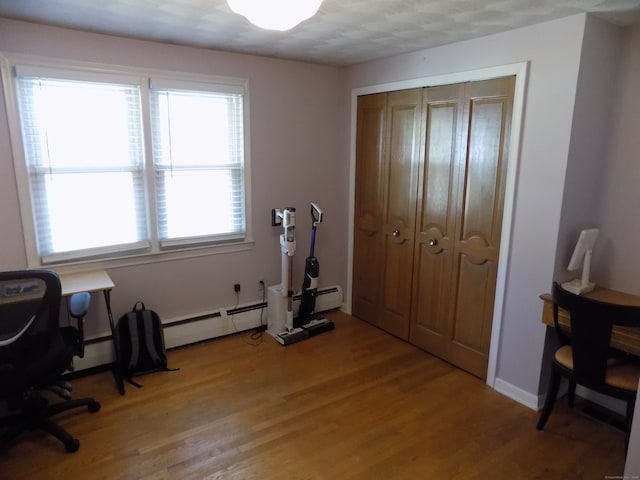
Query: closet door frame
{"type": "Point", "coordinates": [520, 70]}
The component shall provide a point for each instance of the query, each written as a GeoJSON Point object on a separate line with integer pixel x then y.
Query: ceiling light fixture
{"type": "Point", "coordinates": [275, 14]}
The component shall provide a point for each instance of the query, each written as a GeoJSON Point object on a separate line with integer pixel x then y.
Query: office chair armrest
{"type": "Point", "coordinates": [78, 308]}
{"type": "Point", "coordinates": [79, 304]}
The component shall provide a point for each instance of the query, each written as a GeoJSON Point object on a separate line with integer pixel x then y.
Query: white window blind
{"type": "Point", "coordinates": [84, 152]}
{"type": "Point", "coordinates": [198, 154]}
{"type": "Point", "coordinates": [98, 190]}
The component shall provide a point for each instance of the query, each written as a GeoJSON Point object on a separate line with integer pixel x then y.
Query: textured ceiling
{"type": "Point", "coordinates": [344, 32]}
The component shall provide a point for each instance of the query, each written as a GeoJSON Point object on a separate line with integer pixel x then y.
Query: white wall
{"type": "Point", "coordinates": [553, 50]}
{"type": "Point", "coordinates": [590, 134]}
{"type": "Point", "coordinates": [617, 197]}
{"type": "Point", "coordinates": [299, 121]}
{"type": "Point", "coordinates": [616, 257]}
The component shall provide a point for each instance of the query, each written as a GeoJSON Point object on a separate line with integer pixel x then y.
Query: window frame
{"type": "Point", "coordinates": [91, 71]}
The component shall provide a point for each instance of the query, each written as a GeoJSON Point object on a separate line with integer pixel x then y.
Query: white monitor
{"type": "Point", "coordinates": [582, 258]}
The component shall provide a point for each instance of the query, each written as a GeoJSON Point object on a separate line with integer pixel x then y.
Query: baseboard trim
{"type": "Point", "coordinates": [204, 326]}
{"type": "Point", "coordinates": [534, 402]}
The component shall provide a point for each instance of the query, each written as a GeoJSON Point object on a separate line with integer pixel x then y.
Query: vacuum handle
{"type": "Point", "coordinates": [316, 215]}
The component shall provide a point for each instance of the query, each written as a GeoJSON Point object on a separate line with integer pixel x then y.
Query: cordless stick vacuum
{"type": "Point", "coordinates": [306, 319]}
{"type": "Point", "coordinates": [280, 297]}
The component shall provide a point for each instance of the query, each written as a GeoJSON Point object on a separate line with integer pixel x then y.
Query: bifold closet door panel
{"type": "Point", "coordinates": [388, 152]}
{"type": "Point", "coordinates": [369, 204]}
{"type": "Point", "coordinates": [439, 188]}
{"type": "Point", "coordinates": [478, 231]}
{"type": "Point", "coordinates": [403, 152]}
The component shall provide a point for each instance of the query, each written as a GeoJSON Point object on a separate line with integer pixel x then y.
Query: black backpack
{"type": "Point", "coordinates": [139, 343]}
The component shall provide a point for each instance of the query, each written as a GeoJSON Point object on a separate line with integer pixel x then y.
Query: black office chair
{"type": "Point", "coordinates": [35, 351]}
{"type": "Point", "coordinates": [585, 356]}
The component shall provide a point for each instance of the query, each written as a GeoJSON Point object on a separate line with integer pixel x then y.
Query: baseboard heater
{"type": "Point", "coordinates": [205, 326]}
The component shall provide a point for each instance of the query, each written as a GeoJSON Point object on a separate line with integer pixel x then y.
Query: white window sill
{"type": "Point", "coordinates": [147, 258]}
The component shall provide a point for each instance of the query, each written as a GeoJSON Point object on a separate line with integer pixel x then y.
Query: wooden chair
{"type": "Point", "coordinates": [585, 357]}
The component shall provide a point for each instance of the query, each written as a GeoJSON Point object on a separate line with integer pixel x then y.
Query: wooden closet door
{"type": "Point", "coordinates": [387, 155]}
{"type": "Point", "coordinates": [460, 220]}
{"type": "Point", "coordinates": [479, 222]}
{"type": "Point", "coordinates": [436, 221]}
{"type": "Point", "coordinates": [369, 204]}
{"type": "Point", "coordinates": [398, 229]}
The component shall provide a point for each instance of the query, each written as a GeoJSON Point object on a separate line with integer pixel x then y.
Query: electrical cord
{"type": "Point", "coordinates": [255, 337]}
{"type": "Point", "coordinates": [233, 322]}
{"type": "Point", "coordinates": [257, 334]}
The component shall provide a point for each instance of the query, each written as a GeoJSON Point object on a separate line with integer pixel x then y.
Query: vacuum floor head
{"type": "Point", "coordinates": [295, 335]}
{"type": "Point", "coordinates": [317, 326]}
{"type": "Point", "coordinates": [314, 327]}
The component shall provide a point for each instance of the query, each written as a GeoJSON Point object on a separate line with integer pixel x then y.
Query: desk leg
{"type": "Point", "coordinates": [107, 301]}
{"type": "Point", "coordinates": [116, 375]}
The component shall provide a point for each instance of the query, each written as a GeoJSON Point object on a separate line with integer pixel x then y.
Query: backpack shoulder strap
{"type": "Point", "coordinates": [133, 382]}
{"type": "Point", "coordinates": [147, 318]}
{"type": "Point", "coordinates": [135, 340]}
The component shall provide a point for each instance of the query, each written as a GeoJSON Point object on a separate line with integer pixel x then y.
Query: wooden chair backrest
{"type": "Point", "coordinates": [590, 336]}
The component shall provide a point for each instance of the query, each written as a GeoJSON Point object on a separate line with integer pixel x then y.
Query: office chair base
{"type": "Point", "coordinates": [35, 413]}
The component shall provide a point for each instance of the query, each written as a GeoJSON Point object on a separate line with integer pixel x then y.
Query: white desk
{"type": "Point", "coordinates": [94, 281]}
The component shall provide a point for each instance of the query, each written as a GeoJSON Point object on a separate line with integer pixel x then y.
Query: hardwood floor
{"type": "Point", "coordinates": [354, 403]}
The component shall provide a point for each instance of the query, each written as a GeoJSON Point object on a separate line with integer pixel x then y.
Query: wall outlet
{"type": "Point", "coordinates": [236, 287]}
{"type": "Point", "coordinates": [276, 219]}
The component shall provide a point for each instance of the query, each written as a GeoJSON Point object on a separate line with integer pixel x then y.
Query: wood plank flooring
{"type": "Point", "coordinates": [354, 403]}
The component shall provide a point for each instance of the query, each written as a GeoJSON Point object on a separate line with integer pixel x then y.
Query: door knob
{"type": "Point", "coordinates": [432, 242]}
{"type": "Point", "coordinates": [395, 233]}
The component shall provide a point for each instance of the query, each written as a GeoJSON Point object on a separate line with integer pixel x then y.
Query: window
{"type": "Point", "coordinates": [197, 145]}
{"type": "Point", "coordinates": [101, 187]}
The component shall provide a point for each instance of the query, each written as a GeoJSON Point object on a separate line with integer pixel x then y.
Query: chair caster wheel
{"type": "Point", "coordinates": [72, 445]}
{"type": "Point", "coordinates": [94, 407]}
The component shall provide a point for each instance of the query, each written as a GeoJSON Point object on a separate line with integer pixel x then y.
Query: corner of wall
{"type": "Point", "coordinates": [595, 88]}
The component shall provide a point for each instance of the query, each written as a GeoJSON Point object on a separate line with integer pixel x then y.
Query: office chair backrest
{"type": "Point", "coordinates": [29, 321]}
{"type": "Point", "coordinates": [591, 324]}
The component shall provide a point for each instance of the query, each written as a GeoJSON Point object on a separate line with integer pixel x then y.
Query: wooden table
{"type": "Point", "coordinates": [626, 339]}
